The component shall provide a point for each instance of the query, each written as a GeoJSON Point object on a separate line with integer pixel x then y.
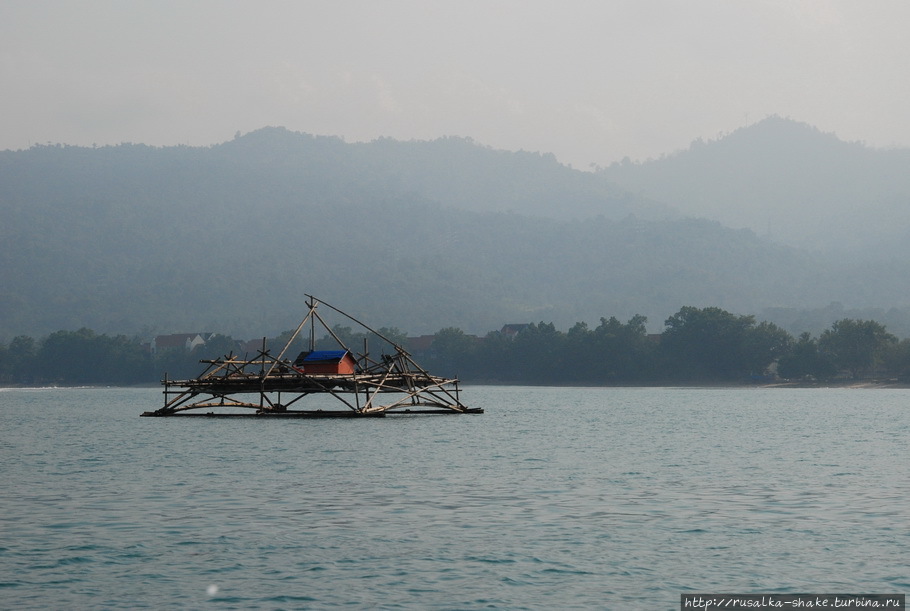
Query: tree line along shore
{"type": "Point", "coordinates": [697, 346]}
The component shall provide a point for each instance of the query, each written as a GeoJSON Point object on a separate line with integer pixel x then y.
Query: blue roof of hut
{"type": "Point", "coordinates": [324, 356]}
{"type": "Point", "coordinates": [320, 356]}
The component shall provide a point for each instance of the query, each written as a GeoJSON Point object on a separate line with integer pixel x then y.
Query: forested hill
{"type": "Point", "coordinates": [450, 171]}
{"type": "Point", "coordinates": [791, 182]}
{"type": "Point", "coordinates": [415, 235]}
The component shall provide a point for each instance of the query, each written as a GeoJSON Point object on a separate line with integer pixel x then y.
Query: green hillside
{"type": "Point", "coordinates": [789, 182]}
{"type": "Point", "coordinates": [414, 235]}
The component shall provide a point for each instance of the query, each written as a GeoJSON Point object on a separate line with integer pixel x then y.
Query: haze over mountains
{"type": "Point", "coordinates": [790, 182]}
{"type": "Point", "coordinates": [429, 234]}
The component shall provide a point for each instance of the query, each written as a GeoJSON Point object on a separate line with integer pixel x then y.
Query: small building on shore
{"type": "Point", "coordinates": [180, 341]}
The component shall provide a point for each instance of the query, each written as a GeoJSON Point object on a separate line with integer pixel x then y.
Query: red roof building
{"type": "Point", "coordinates": [326, 362]}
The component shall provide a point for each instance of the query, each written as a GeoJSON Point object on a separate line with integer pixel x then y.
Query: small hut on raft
{"type": "Point", "coordinates": [268, 385]}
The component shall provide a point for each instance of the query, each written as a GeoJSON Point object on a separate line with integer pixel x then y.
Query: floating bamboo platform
{"type": "Point", "coordinates": [270, 386]}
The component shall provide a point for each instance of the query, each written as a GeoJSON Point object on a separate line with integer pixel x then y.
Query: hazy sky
{"type": "Point", "coordinates": [591, 82]}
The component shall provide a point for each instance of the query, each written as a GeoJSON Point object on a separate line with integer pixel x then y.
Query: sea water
{"type": "Point", "coordinates": [555, 498]}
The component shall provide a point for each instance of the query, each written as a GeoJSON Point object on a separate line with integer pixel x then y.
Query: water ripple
{"type": "Point", "coordinates": [555, 498]}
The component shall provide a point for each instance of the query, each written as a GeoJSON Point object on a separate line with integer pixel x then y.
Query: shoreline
{"type": "Point", "coordinates": [857, 384]}
{"type": "Point", "coordinates": [848, 384]}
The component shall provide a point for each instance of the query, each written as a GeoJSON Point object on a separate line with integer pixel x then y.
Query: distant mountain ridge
{"type": "Point", "coordinates": [788, 181]}
{"type": "Point", "coordinates": [455, 172]}
{"type": "Point", "coordinates": [414, 235]}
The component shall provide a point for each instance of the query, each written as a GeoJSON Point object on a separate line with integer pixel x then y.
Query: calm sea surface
{"type": "Point", "coordinates": [576, 498]}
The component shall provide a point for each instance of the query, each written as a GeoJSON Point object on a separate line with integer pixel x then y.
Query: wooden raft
{"type": "Point", "coordinates": [273, 386]}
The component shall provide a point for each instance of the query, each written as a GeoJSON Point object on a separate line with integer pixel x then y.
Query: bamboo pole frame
{"type": "Point", "coordinates": [393, 384]}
